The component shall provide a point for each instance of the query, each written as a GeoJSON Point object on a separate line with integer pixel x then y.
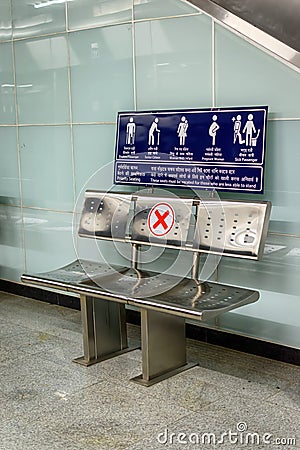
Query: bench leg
{"type": "Point", "coordinates": [163, 347]}
{"type": "Point", "coordinates": [104, 330]}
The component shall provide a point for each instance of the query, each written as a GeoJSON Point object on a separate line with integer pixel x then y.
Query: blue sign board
{"type": "Point", "coordinates": [220, 148]}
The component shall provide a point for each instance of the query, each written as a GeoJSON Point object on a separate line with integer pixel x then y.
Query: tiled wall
{"type": "Point", "coordinates": [66, 69]}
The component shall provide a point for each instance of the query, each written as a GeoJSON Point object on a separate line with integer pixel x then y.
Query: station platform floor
{"type": "Point", "coordinates": [232, 400]}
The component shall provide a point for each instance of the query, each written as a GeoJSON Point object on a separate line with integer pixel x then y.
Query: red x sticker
{"type": "Point", "coordinates": [161, 219]}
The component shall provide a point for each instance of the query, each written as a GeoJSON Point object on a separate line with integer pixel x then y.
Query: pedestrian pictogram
{"type": "Point", "coordinates": [161, 219]}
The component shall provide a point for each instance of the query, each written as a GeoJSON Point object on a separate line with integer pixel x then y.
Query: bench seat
{"type": "Point", "coordinates": [186, 297]}
{"type": "Point", "coordinates": [214, 227]}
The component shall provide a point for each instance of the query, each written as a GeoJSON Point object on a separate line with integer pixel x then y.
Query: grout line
{"type": "Point", "coordinates": [213, 63]}
{"type": "Point", "coordinates": [18, 151]}
{"type": "Point", "coordinates": [22, 125]}
{"type": "Point", "coordinates": [133, 58]}
{"type": "Point", "coordinates": [279, 233]}
{"type": "Point", "coordinates": [92, 27]}
{"type": "Point", "coordinates": [67, 16]}
{"type": "Point", "coordinates": [287, 119]}
{"type": "Point", "coordinates": [38, 36]}
{"type": "Point", "coordinates": [97, 123]}
{"type": "Point", "coordinates": [71, 111]}
{"type": "Point", "coordinates": [10, 205]}
{"type": "Point", "coordinates": [177, 16]}
{"type": "Point", "coordinates": [68, 30]}
{"type": "Point", "coordinates": [65, 124]}
{"type": "Point", "coordinates": [6, 41]}
{"type": "Point", "coordinates": [38, 208]}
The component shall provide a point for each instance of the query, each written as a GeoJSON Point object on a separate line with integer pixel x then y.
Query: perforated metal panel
{"type": "Point", "coordinates": [231, 227]}
{"type": "Point", "coordinates": [200, 300]}
{"type": "Point", "coordinates": [105, 215]}
{"type": "Point", "coordinates": [177, 235]}
{"type": "Point", "coordinates": [167, 293]}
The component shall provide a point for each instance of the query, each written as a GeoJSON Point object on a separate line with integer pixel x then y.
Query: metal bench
{"type": "Point", "coordinates": [225, 228]}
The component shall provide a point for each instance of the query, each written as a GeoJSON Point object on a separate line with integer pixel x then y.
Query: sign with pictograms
{"type": "Point", "coordinates": [215, 148]}
{"type": "Point", "coordinates": [161, 219]}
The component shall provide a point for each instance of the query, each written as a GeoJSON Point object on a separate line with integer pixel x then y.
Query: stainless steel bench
{"type": "Point", "coordinates": [225, 228]}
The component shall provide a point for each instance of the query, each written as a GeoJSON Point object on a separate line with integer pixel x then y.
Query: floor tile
{"type": "Point", "coordinates": [199, 387]}
{"type": "Point", "coordinates": [241, 365]}
{"type": "Point", "coordinates": [264, 423]}
{"type": "Point", "coordinates": [42, 317]}
{"type": "Point", "coordinates": [48, 402]}
{"type": "Point", "coordinates": [10, 331]}
{"type": "Point", "coordinates": [289, 397]}
{"type": "Point", "coordinates": [23, 434]}
{"type": "Point", "coordinates": [42, 378]}
{"type": "Point", "coordinates": [33, 342]}
{"type": "Point", "coordinates": [112, 414]}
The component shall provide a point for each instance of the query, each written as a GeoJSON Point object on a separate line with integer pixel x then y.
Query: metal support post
{"type": "Point", "coordinates": [134, 256]}
{"type": "Point", "coordinates": [195, 266]}
{"type": "Point", "coordinates": [104, 330]}
{"type": "Point", "coordinates": [163, 347]}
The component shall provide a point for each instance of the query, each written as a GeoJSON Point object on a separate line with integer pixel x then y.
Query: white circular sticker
{"type": "Point", "coordinates": [161, 219]}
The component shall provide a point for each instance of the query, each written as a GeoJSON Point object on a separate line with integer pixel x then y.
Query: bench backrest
{"type": "Point", "coordinates": [229, 227]}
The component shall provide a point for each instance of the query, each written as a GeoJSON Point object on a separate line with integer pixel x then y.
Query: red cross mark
{"type": "Point", "coordinates": [161, 219]}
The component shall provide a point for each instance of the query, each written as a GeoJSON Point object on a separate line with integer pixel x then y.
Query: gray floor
{"type": "Point", "coordinates": [48, 402]}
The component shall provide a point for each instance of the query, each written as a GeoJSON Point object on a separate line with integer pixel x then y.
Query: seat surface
{"type": "Point", "coordinates": [172, 294]}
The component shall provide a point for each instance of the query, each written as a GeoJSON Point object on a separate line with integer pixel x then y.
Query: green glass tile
{"type": "Point", "coordinates": [173, 63]}
{"type": "Point", "coordinates": [5, 20]}
{"type": "Point", "coordinates": [7, 84]}
{"type": "Point", "coordinates": [94, 147]}
{"type": "Point", "coordinates": [46, 167]}
{"type": "Point", "coordinates": [11, 245]}
{"type": "Point", "coordinates": [246, 75]}
{"type": "Point", "coordinates": [95, 13]}
{"type": "Point", "coordinates": [156, 8]}
{"type": "Point", "coordinates": [42, 80]}
{"type": "Point", "coordinates": [101, 73]}
{"type": "Point", "coordinates": [48, 240]}
{"type": "Point", "coordinates": [37, 17]}
{"type": "Point", "coordinates": [9, 168]}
